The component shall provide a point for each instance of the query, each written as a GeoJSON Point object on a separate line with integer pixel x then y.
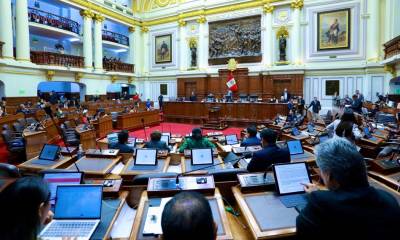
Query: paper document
{"type": "Point", "coordinates": [153, 219]}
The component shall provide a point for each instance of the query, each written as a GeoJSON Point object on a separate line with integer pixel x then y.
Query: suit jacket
{"type": "Point", "coordinates": [357, 105]}
{"type": "Point", "coordinates": [287, 97]}
{"type": "Point", "coordinates": [267, 156]}
{"type": "Point", "coordinates": [123, 148]}
{"type": "Point", "coordinates": [363, 213]}
{"type": "Point", "coordinates": [316, 106]}
{"type": "Point", "coordinates": [157, 145]}
{"type": "Point", "coordinates": [251, 141]}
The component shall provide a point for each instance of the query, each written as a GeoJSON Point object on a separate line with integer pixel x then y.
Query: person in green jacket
{"type": "Point", "coordinates": [196, 141]}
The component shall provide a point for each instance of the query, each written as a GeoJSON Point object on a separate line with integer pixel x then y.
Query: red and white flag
{"type": "Point", "coordinates": [231, 82]}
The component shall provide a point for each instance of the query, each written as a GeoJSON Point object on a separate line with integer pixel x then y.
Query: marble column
{"type": "Point", "coordinates": [131, 53]}
{"type": "Point", "coordinates": [183, 46]}
{"type": "Point", "coordinates": [268, 53]}
{"type": "Point", "coordinates": [296, 5]}
{"type": "Point", "coordinates": [138, 50]}
{"type": "Point", "coordinates": [87, 38]}
{"type": "Point", "coordinates": [202, 49]}
{"type": "Point", "coordinates": [373, 31]}
{"type": "Point", "coordinates": [146, 50]}
{"type": "Point", "coordinates": [22, 31]}
{"type": "Point", "coordinates": [98, 42]}
{"type": "Point", "coordinates": [6, 33]}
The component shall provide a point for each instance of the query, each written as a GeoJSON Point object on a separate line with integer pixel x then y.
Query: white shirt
{"type": "Point", "coordinates": [333, 125]}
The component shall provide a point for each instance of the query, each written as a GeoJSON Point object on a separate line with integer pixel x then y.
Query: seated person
{"type": "Point", "coordinates": [196, 141]}
{"type": "Point", "coordinates": [270, 154]}
{"type": "Point", "coordinates": [122, 143]}
{"type": "Point", "coordinates": [252, 139]}
{"type": "Point", "coordinates": [188, 216]}
{"type": "Point", "coordinates": [25, 209]}
{"type": "Point", "coordinates": [156, 142]}
{"type": "Point", "coordinates": [350, 207]}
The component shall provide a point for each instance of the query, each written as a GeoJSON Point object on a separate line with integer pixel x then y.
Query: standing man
{"type": "Point", "coordinates": [316, 107]}
{"type": "Point", "coordinates": [360, 95]}
{"type": "Point", "coordinates": [300, 105]}
{"type": "Point", "coordinates": [193, 97]}
{"type": "Point", "coordinates": [356, 104]}
{"type": "Point", "coordinates": [161, 101]}
{"type": "Point", "coordinates": [285, 95]}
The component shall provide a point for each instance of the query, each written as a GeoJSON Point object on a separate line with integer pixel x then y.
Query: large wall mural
{"type": "Point", "coordinates": [237, 38]}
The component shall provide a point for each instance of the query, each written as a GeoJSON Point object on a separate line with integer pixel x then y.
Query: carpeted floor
{"type": "Point", "coordinates": [174, 128]}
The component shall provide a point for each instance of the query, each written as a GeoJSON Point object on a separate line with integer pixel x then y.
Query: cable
{"type": "Point", "coordinates": [236, 214]}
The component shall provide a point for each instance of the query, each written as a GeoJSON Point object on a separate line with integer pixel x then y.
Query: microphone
{"type": "Point", "coordinates": [144, 129]}
{"type": "Point", "coordinates": [237, 159]}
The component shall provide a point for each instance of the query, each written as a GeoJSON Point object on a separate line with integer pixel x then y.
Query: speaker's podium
{"type": "Point", "coordinates": [214, 120]}
{"type": "Point", "coordinates": [147, 223]}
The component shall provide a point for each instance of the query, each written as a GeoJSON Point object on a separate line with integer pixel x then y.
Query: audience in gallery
{"type": "Point", "coordinates": [188, 215]}
{"type": "Point", "coordinates": [122, 143]}
{"type": "Point", "coordinates": [38, 16]}
{"type": "Point", "coordinates": [345, 126]}
{"type": "Point", "coordinates": [25, 209]}
{"type": "Point", "coordinates": [269, 154]}
{"type": "Point", "coordinates": [196, 141]}
{"type": "Point", "coordinates": [251, 137]}
{"type": "Point", "coordinates": [350, 207]}
{"type": "Point", "coordinates": [155, 142]}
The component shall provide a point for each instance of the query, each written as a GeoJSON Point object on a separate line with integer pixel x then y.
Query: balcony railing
{"type": "Point", "coordinates": [392, 47]}
{"type": "Point", "coordinates": [115, 37]}
{"type": "Point", "coordinates": [58, 59]}
{"type": "Point", "coordinates": [117, 66]}
{"type": "Point", "coordinates": [52, 20]}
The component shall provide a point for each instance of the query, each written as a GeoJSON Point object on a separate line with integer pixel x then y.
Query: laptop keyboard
{"type": "Point", "coordinates": [293, 200]}
{"type": "Point", "coordinates": [69, 229]}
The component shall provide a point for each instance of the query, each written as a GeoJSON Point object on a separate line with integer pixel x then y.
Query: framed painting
{"type": "Point", "coordinates": [163, 49]}
{"type": "Point", "coordinates": [333, 29]}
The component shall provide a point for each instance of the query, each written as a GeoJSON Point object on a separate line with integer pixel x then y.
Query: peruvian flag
{"type": "Point", "coordinates": [231, 82]}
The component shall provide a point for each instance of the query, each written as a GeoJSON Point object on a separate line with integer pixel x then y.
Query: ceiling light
{"type": "Point", "coordinates": [74, 39]}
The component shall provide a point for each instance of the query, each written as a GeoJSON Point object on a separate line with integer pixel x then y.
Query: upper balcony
{"type": "Point", "coordinates": [56, 59]}
{"type": "Point", "coordinates": [115, 38]}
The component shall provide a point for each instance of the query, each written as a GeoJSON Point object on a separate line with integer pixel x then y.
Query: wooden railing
{"type": "Point", "coordinates": [49, 19]}
{"type": "Point", "coordinates": [1, 49]}
{"type": "Point", "coordinates": [392, 47]}
{"type": "Point", "coordinates": [115, 37]}
{"type": "Point", "coordinates": [50, 58]}
{"type": "Point", "coordinates": [118, 66]}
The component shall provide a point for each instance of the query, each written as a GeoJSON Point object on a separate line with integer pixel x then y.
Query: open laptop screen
{"type": "Point", "coordinates": [165, 138]}
{"type": "Point", "coordinates": [290, 176]}
{"type": "Point", "coordinates": [49, 152]}
{"type": "Point", "coordinates": [146, 157]}
{"type": "Point", "coordinates": [78, 202]}
{"type": "Point", "coordinates": [202, 156]}
{"type": "Point", "coordinates": [231, 139]}
{"type": "Point", "coordinates": [295, 147]}
{"type": "Point", "coordinates": [61, 178]}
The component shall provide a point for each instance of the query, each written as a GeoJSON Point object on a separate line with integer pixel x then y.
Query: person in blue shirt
{"type": "Point", "coordinates": [123, 137]}
{"type": "Point", "coordinates": [156, 142]}
{"type": "Point", "coordinates": [148, 104]}
{"type": "Point", "coordinates": [270, 154]}
{"type": "Point", "coordinates": [252, 139]}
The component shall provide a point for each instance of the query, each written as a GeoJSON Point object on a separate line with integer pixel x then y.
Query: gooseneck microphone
{"type": "Point", "coordinates": [144, 129]}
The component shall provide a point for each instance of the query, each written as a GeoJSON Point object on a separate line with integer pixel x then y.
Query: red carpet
{"type": "Point", "coordinates": [174, 128]}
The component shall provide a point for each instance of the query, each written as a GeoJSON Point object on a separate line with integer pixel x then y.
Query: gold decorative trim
{"type": "Point", "coordinates": [131, 79]}
{"type": "Point", "coordinates": [99, 18]}
{"type": "Point", "coordinates": [78, 76]}
{"type": "Point", "coordinates": [132, 29]}
{"type": "Point", "coordinates": [145, 29]}
{"type": "Point", "coordinates": [283, 31]}
{"type": "Point", "coordinates": [23, 59]}
{"type": "Point", "coordinates": [297, 4]}
{"type": "Point", "coordinates": [181, 23]}
{"type": "Point", "coordinates": [113, 79]}
{"type": "Point", "coordinates": [202, 19]}
{"type": "Point", "coordinates": [268, 8]}
{"type": "Point", "coordinates": [50, 74]}
{"type": "Point", "coordinates": [391, 69]}
{"type": "Point", "coordinates": [192, 42]}
{"type": "Point", "coordinates": [86, 13]}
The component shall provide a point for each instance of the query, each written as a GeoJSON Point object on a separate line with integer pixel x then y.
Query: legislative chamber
{"type": "Point", "coordinates": [202, 120]}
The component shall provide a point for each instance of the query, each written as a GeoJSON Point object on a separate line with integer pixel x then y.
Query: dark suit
{"type": "Point", "coordinates": [193, 98]}
{"type": "Point", "coordinates": [269, 155]}
{"type": "Point", "coordinates": [123, 148]}
{"type": "Point", "coordinates": [316, 106]}
{"type": "Point", "coordinates": [287, 96]}
{"type": "Point", "coordinates": [251, 141]}
{"type": "Point", "coordinates": [156, 145]}
{"type": "Point", "coordinates": [357, 105]}
{"type": "Point", "coordinates": [364, 213]}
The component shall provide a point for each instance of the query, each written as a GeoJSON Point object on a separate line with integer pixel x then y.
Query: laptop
{"type": "Point", "coordinates": [55, 179]}
{"type": "Point", "coordinates": [289, 180]}
{"type": "Point", "coordinates": [231, 139]}
{"type": "Point", "coordinates": [296, 150]}
{"type": "Point", "coordinates": [131, 142]}
{"type": "Point", "coordinates": [146, 157]}
{"type": "Point", "coordinates": [165, 138]}
{"type": "Point", "coordinates": [48, 155]}
{"type": "Point", "coordinates": [77, 212]}
{"type": "Point", "coordinates": [201, 157]}
{"type": "Point", "coordinates": [295, 131]}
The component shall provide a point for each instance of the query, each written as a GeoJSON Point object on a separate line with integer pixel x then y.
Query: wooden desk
{"type": "Point", "coordinates": [130, 170]}
{"type": "Point", "coordinates": [51, 130]}
{"type": "Point", "coordinates": [186, 165]}
{"type": "Point", "coordinates": [233, 113]}
{"type": "Point", "coordinates": [87, 137]}
{"type": "Point", "coordinates": [390, 180]}
{"type": "Point", "coordinates": [31, 167]}
{"type": "Point", "coordinates": [129, 121]}
{"type": "Point", "coordinates": [217, 207]}
{"type": "Point", "coordinates": [34, 142]}
{"type": "Point", "coordinates": [103, 126]}
{"type": "Point", "coordinates": [288, 137]}
{"type": "Point", "coordinates": [309, 158]}
{"type": "Point", "coordinates": [96, 167]}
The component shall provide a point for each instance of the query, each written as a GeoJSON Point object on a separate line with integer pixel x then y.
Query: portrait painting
{"type": "Point", "coordinates": [333, 30]}
{"type": "Point", "coordinates": [163, 49]}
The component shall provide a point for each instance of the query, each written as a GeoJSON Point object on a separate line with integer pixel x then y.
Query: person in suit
{"type": "Point", "coordinates": [357, 104]}
{"type": "Point", "coordinates": [156, 142]}
{"type": "Point", "coordinates": [161, 101]}
{"type": "Point", "coordinates": [251, 139]}
{"type": "Point", "coordinates": [270, 154]}
{"type": "Point", "coordinates": [315, 106]}
{"type": "Point", "coordinates": [25, 209]}
{"type": "Point", "coordinates": [360, 95]}
{"type": "Point", "coordinates": [300, 105]}
{"type": "Point", "coordinates": [123, 137]}
{"type": "Point", "coordinates": [286, 95]}
{"type": "Point", "coordinates": [350, 206]}
{"type": "Point", "coordinates": [188, 215]}
{"type": "Point", "coordinates": [193, 97]}
{"type": "Point", "coordinates": [196, 141]}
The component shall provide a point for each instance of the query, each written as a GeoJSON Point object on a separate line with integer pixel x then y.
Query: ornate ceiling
{"type": "Point", "coordinates": [148, 5]}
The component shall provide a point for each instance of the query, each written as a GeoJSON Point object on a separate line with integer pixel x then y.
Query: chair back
{"type": "Point", "coordinates": [9, 171]}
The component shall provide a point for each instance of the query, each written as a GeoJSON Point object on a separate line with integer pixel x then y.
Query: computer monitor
{"type": "Point", "coordinates": [231, 139]}
{"type": "Point", "coordinates": [202, 156]}
{"type": "Point", "coordinates": [295, 147]}
{"type": "Point", "coordinates": [55, 179]}
{"type": "Point", "coordinates": [290, 177]}
{"type": "Point", "coordinates": [49, 152]}
{"type": "Point", "coordinates": [165, 138]}
{"type": "Point", "coordinates": [146, 157]}
{"type": "Point", "coordinates": [295, 131]}
{"type": "Point", "coordinates": [78, 202]}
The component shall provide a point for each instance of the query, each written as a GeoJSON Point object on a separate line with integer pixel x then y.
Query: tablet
{"type": "Point", "coordinates": [231, 139]}
{"type": "Point", "coordinates": [146, 157]}
{"type": "Point", "coordinates": [202, 156]}
{"type": "Point", "coordinates": [295, 147]}
{"type": "Point", "coordinates": [290, 177]}
{"type": "Point", "coordinates": [165, 138]}
{"type": "Point", "coordinates": [49, 152]}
